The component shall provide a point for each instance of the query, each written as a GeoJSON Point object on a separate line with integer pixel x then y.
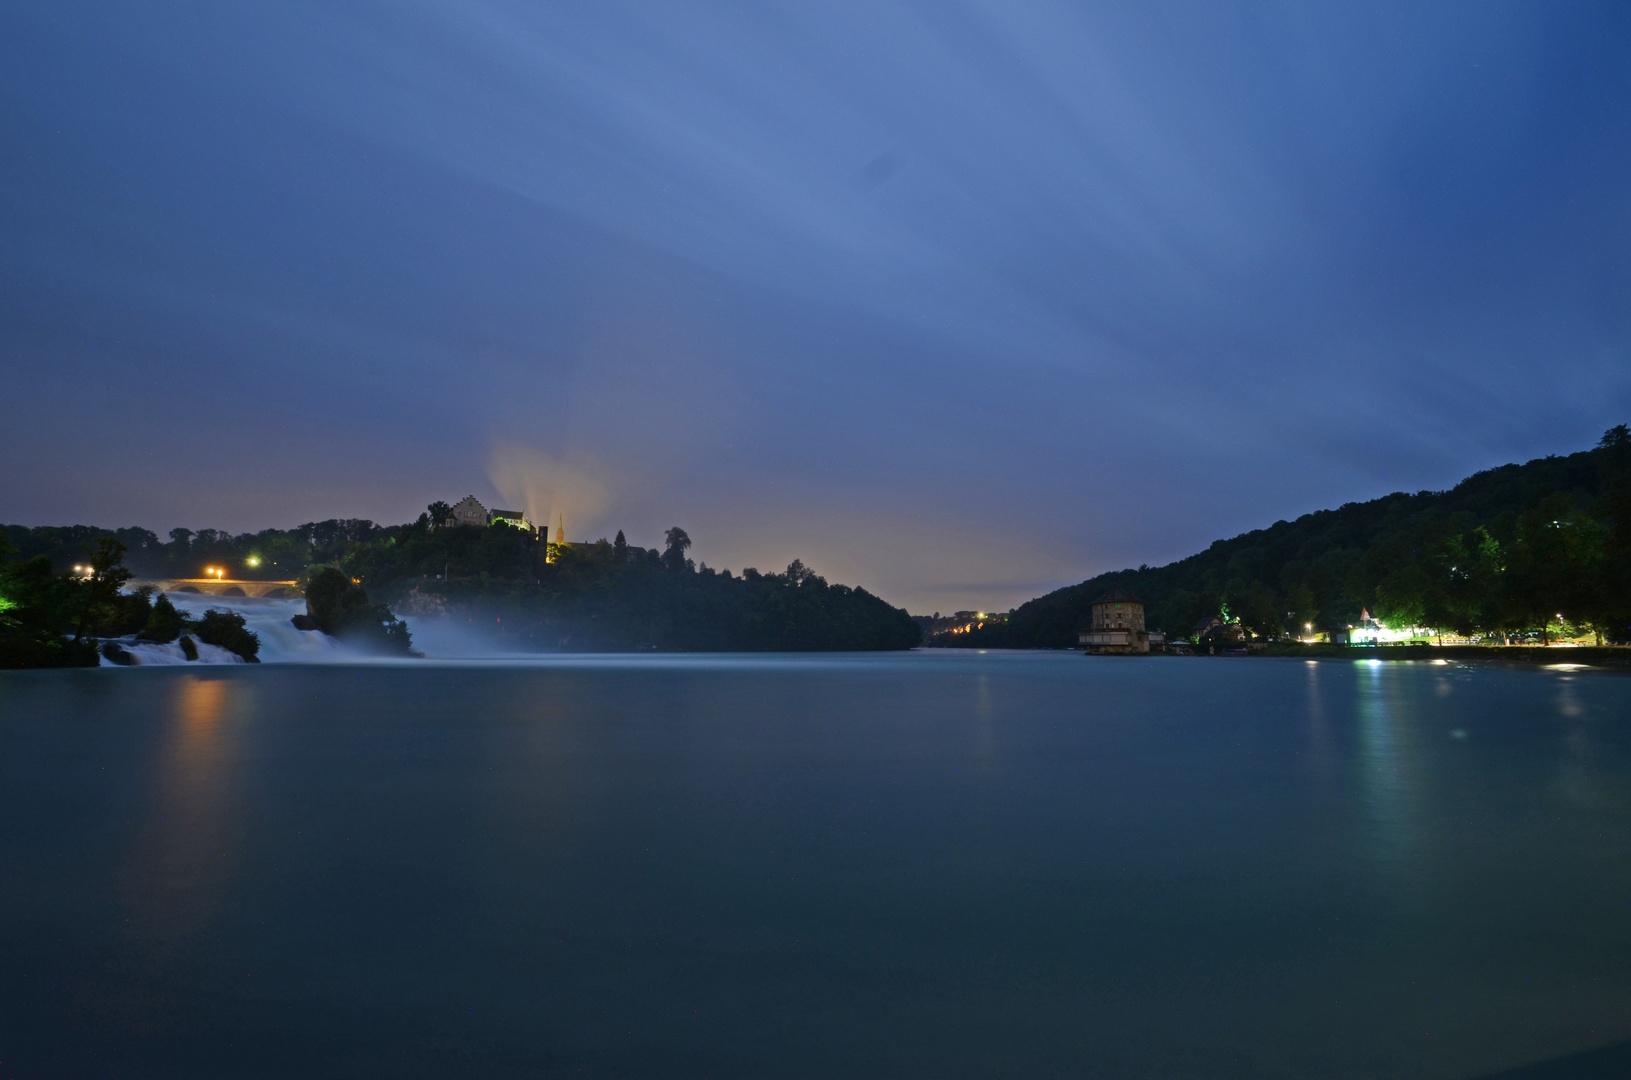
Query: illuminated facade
{"type": "Point", "coordinates": [467, 511]}
{"type": "Point", "coordinates": [515, 518]}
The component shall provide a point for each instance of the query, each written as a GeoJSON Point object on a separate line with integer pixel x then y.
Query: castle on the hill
{"type": "Point", "coordinates": [469, 511]}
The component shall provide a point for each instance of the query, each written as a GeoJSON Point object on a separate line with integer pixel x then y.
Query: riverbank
{"type": "Point", "coordinates": [1597, 656]}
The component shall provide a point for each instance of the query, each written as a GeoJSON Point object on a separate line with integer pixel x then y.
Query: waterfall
{"type": "Point", "coordinates": [281, 643]}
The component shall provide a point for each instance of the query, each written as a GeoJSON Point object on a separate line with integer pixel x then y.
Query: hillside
{"type": "Point", "coordinates": [1507, 549]}
{"type": "Point", "coordinates": [526, 594]}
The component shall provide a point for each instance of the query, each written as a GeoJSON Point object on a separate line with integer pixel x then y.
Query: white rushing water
{"type": "Point", "coordinates": [281, 643]}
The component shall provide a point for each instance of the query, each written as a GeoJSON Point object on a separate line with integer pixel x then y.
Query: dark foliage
{"type": "Point", "coordinates": [51, 619]}
{"type": "Point", "coordinates": [338, 606]}
{"type": "Point", "coordinates": [269, 555]}
{"type": "Point", "coordinates": [612, 596]}
{"type": "Point", "coordinates": [226, 629]}
{"type": "Point", "coordinates": [1504, 552]}
{"type": "Point", "coordinates": [534, 594]}
{"type": "Point", "coordinates": [164, 624]}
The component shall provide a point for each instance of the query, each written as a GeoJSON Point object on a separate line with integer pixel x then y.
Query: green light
{"type": "Point", "coordinates": [6, 605]}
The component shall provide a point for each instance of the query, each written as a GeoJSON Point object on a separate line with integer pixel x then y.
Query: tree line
{"type": "Point", "coordinates": [66, 618]}
{"type": "Point", "coordinates": [1521, 551]}
{"type": "Point", "coordinates": [530, 593]}
{"type": "Point", "coordinates": [610, 595]}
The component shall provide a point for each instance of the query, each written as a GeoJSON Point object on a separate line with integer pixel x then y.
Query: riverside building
{"type": "Point", "coordinates": [1118, 625]}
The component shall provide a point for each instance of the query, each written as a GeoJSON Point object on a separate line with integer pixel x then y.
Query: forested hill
{"type": "Point", "coordinates": [1504, 550]}
{"type": "Point", "coordinates": [528, 594]}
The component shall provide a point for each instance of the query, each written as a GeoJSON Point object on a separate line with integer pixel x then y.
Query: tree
{"type": "Point", "coordinates": [440, 513]}
{"type": "Point", "coordinates": [674, 555]}
{"type": "Point", "coordinates": [99, 594]}
{"type": "Point", "coordinates": [164, 623]}
{"type": "Point", "coordinates": [226, 629]}
{"type": "Point", "coordinates": [340, 607]}
{"type": "Point", "coordinates": [621, 547]}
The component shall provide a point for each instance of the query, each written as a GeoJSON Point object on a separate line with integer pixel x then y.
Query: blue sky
{"type": "Point", "coordinates": [957, 302]}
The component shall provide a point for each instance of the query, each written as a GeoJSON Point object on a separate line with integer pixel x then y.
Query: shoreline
{"type": "Point", "coordinates": [1594, 655]}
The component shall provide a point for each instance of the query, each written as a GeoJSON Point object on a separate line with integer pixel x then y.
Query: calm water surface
{"type": "Point", "coordinates": [1002, 865]}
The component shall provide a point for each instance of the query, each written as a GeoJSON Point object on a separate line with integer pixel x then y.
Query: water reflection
{"type": "Point", "coordinates": [1575, 774]}
{"type": "Point", "coordinates": [1386, 766]}
{"type": "Point", "coordinates": [184, 856]}
{"type": "Point", "coordinates": [1319, 732]}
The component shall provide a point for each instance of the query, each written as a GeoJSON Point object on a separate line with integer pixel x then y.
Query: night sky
{"type": "Point", "coordinates": [960, 303]}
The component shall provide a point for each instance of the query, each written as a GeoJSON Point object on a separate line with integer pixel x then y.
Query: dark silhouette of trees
{"type": "Point", "coordinates": [340, 607]}
{"type": "Point", "coordinates": [678, 544]}
{"type": "Point", "coordinates": [1503, 553]}
{"type": "Point", "coordinates": [54, 619]}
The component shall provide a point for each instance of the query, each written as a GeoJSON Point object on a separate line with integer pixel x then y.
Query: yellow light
{"type": "Point", "coordinates": [254, 560]}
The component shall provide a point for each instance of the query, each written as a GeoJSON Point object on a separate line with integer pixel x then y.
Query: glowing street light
{"type": "Point", "coordinates": [253, 560]}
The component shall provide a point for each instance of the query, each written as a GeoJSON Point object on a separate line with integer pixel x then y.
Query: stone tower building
{"type": "Point", "coordinates": [1118, 624]}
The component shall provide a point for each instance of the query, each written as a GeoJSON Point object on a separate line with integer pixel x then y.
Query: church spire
{"type": "Point", "coordinates": [560, 530]}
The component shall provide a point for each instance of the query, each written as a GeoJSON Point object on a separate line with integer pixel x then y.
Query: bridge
{"type": "Point", "coordinates": [271, 590]}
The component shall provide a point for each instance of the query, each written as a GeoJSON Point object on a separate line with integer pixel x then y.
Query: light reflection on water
{"type": "Point", "coordinates": [1390, 731]}
{"type": "Point", "coordinates": [181, 863]}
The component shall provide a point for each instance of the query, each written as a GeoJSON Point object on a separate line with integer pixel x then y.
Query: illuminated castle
{"type": "Point", "coordinates": [469, 511]}
{"type": "Point", "coordinates": [1118, 624]}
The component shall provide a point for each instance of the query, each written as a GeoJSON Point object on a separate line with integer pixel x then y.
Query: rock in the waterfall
{"type": "Point", "coordinates": [304, 622]}
{"type": "Point", "coordinates": [117, 653]}
{"type": "Point", "coordinates": [187, 647]}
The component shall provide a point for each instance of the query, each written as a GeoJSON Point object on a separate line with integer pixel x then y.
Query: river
{"type": "Point", "coordinates": [934, 864]}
